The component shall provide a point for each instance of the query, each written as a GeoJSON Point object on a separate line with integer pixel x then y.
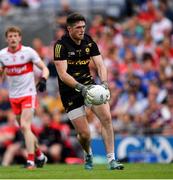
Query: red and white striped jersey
{"type": "Point", "coordinates": [19, 70]}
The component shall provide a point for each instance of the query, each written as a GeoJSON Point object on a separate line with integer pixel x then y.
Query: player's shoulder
{"type": "Point", "coordinates": [88, 38]}
{"type": "Point", "coordinates": [3, 51]}
{"type": "Point", "coordinates": [58, 42]}
{"type": "Point", "coordinates": [64, 39]}
{"type": "Point", "coordinates": [27, 48]}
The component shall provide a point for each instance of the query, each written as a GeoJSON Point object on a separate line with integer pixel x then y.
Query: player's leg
{"type": "Point", "coordinates": [25, 124]}
{"type": "Point", "coordinates": [31, 141]}
{"type": "Point", "coordinates": [80, 123]}
{"type": "Point", "coordinates": [83, 134]}
{"type": "Point", "coordinates": [103, 113]}
{"type": "Point", "coordinates": [30, 102]}
{"type": "Point", "coordinates": [41, 159]}
{"type": "Point", "coordinates": [24, 118]}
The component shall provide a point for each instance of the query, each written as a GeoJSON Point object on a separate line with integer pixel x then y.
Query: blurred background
{"type": "Point", "coordinates": [135, 38]}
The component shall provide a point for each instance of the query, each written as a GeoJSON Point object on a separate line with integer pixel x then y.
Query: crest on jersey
{"type": "Point", "coordinates": [22, 57]}
{"type": "Point", "coordinates": [87, 50]}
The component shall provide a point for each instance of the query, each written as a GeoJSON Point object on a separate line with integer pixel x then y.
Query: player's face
{"type": "Point", "coordinates": [77, 31]}
{"type": "Point", "coordinates": [13, 39]}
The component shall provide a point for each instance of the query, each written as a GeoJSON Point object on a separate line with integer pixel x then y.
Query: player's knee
{"type": "Point", "coordinates": [85, 135]}
{"type": "Point", "coordinates": [24, 128]}
{"type": "Point", "coordinates": [106, 120]}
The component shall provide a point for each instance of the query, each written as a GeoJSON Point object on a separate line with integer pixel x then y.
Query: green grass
{"type": "Point", "coordinates": [59, 171]}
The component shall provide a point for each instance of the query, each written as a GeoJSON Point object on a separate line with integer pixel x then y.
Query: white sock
{"type": "Point", "coordinates": [31, 162]}
{"type": "Point", "coordinates": [40, 157]}
{"type": "Point", "coordinates": [110, 157]}
{"type": "Point", "coordinates": [90, 152]}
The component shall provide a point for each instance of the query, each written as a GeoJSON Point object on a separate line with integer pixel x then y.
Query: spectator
{"type": "Point", "coordinates": [15, 148]}
{"type": "Point", "coordinates": [161, 27]}
{"type": "Point", "coordinates": [53, 138]}
{"type": "Point", "coordinates": [167, 112]}
{"type": "Point", "coordinates": [62, 15]}
{"type": "Point", "coordinates": [5, 8]}
{"type": "Point", "coordinates": [5, 106]}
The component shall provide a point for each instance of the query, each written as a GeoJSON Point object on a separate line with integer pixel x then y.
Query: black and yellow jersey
{"type": "Point", "coordinates": [78, 58]}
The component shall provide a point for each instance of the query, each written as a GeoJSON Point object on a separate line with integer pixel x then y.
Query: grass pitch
{"type": "Point", "coordinates": [59, 171]}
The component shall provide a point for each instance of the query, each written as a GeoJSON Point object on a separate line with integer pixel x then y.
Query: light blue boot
{"type": "Point", "coordinates": [88, 162]}
{"type": "Point", "coordinates": [115, 165]}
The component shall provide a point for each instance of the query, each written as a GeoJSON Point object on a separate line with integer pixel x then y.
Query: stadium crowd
{"type": "Point", "coordinates": [138, 53]}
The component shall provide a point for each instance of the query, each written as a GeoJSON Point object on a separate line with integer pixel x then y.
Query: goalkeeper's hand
{"type": "Point", "coordinates": [84, 90]}
{"type": "Point", "coordinates": [105, 85]}
{"type": "Point", "coordinates": [41, 85]}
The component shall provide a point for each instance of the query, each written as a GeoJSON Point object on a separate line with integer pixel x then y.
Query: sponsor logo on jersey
{"type": "Point", "coordinates": [19, 69]}
{"type": "Point", "coordinates": [71, 54]}
{"type": "Point", "coordinates": [79, 62]}
{"type": "Point", "coordinates": [90, 44]}
{"type": "Point", "coordinates": [70, 103]}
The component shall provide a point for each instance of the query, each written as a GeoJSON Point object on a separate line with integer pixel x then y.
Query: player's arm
{"type": "Point", "coordinates": [102, 72]}
{"type": "Point", "coordinates": [101, 68]}
{"type": "Point", "coordinates": [41, 85]}
{"type": "Point", "coordinates": [35, 58]}
{"type": "Point", "coordinates": [44, 69]}
{"type": "Point", "coordinates": [61, 67]}
{"type": "Point", "coordinates": [60, 60]}
{"type": "Point", "coordinates": [98, 61]}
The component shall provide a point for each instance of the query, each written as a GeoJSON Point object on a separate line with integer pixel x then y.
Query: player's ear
{"type": "Point", "coordinates": [20, 38]}
{"type": "Point", "coordinates": [68, 28]}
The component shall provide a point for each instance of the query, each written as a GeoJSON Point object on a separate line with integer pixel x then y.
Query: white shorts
{"type": "Point", "coordinates": [76, 113]}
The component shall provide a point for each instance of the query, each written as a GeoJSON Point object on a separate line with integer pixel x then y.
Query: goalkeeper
{"type": "Point", "coordinates": [72, 55]}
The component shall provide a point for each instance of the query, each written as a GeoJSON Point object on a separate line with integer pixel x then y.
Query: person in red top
{"type": "Point", "coordinates": [147, 15]}
{"type": "Point", "coordinates": [18, 61]}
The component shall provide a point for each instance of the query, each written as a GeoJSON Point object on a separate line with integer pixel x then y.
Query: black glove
{"type": "Point", "coordinates": [84, 90]}
{"type": "Point", "coordinates": [81, 88]}
{"type": "Point", "coordinates": [41, 85]}
{"type": "Point", "coordinates": [105, 84]}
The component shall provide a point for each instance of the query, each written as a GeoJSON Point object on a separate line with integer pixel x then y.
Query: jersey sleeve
{"type": "Point", "coordinates": [94, 49]}
{"type": "Point", "coordinates": [35, 58]}
{"type": "Point", "coordinates": [60, 53]}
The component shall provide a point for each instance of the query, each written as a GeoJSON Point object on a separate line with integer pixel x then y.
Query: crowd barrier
{"type": "Point", "coordinates": [147, 149]}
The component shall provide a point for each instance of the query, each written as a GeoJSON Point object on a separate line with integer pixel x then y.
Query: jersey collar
{"type": "Point", "coordinates": [14, 51]}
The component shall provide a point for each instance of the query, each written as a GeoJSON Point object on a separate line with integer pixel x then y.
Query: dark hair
{"type": "Point", "coordinates": [147, 57]}
{"type": "Point", "coordinates": [73, 18]}
{"type": "Point", "coordinates": [13, 29]}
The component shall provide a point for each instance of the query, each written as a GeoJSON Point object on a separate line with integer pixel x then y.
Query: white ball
{"type": "Point", "coordinates": [99, 94]}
